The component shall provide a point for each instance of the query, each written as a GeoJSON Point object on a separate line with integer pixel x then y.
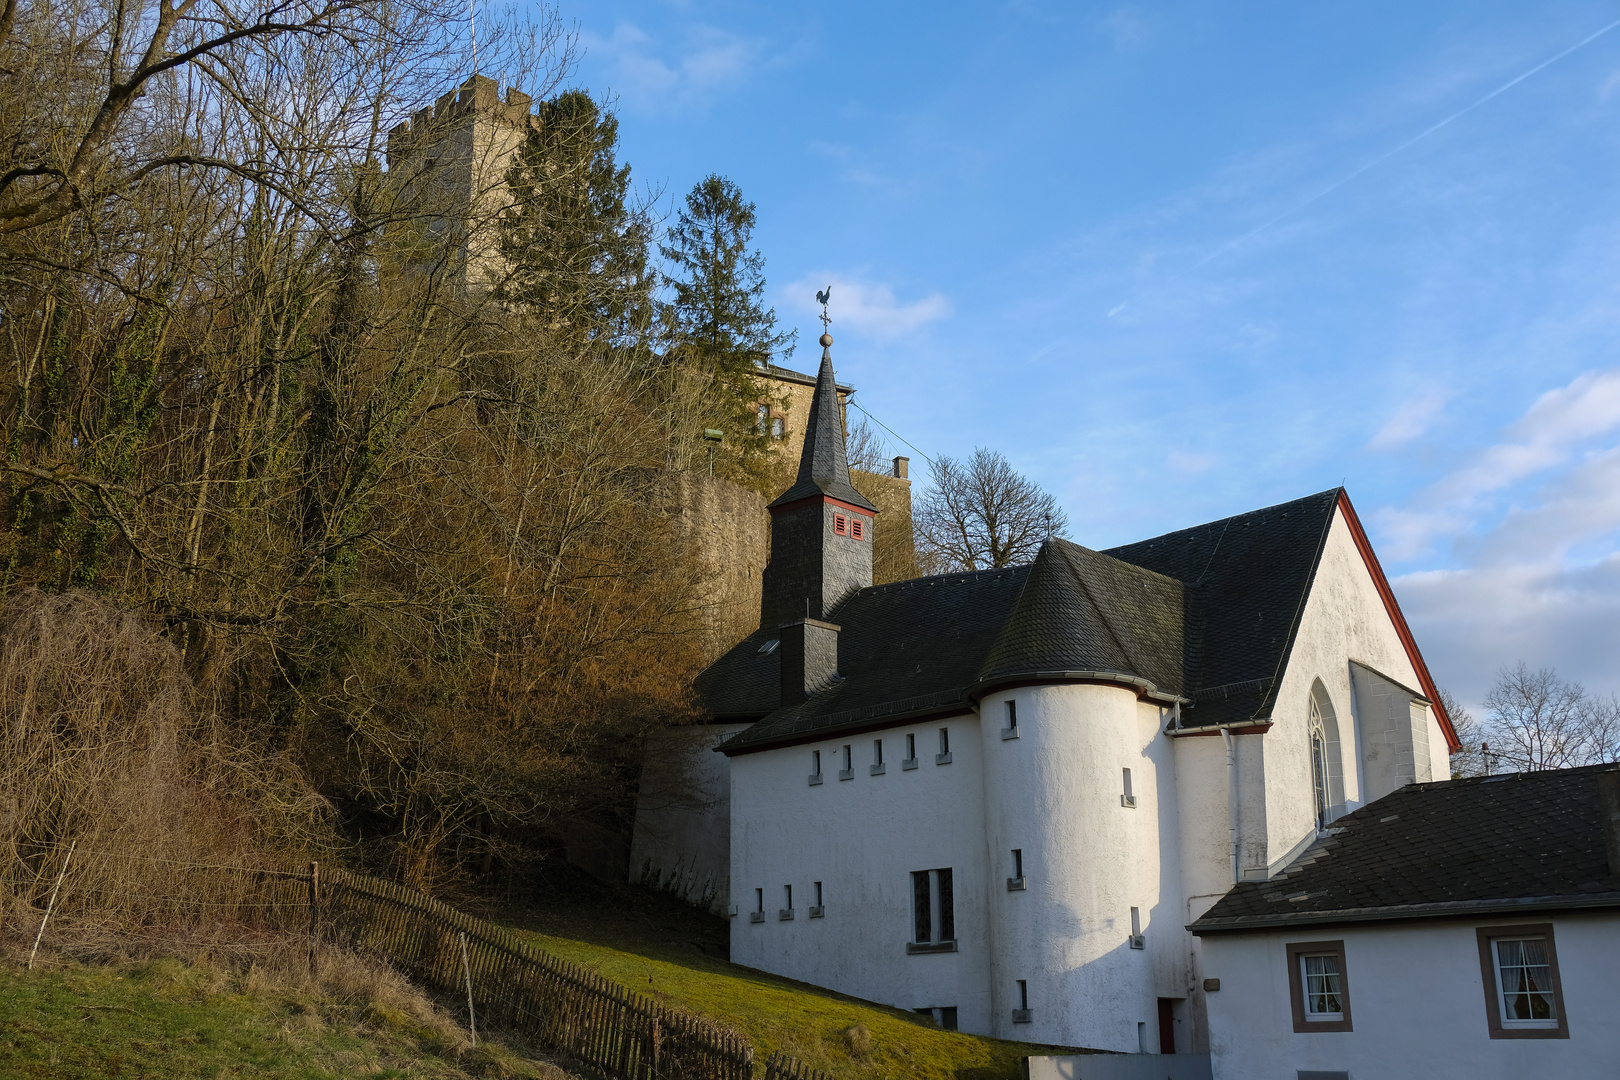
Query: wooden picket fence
{"type": "Point", "coordinates": [515, 987]}
{"type": "Point", "coordinates": [782, 1067]}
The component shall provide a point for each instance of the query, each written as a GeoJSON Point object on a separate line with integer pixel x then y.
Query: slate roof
{"type": "Point", "coordinates": [1246, 580]}
{"type": "Point", "coordinates": [823, 467]}
{"type": "Point", "coordinates": [1204, 615]}
{"type": "Point", "coordinates": [1517, 842]}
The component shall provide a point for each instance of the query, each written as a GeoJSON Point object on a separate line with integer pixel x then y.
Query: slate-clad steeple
{"type": "Point", "coordinates": [821, 527]}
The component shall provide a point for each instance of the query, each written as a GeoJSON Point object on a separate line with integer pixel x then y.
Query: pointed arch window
{"type": "Point", "coordinates": [1327, 771]}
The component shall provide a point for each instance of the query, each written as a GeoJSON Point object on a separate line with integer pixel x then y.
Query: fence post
{"type": "Point", "coordinates": [466, 970]}
{"type": "Point", "coordinates": [50, 904]}
{"type": "Point", "coordinates": [314, 917]}
{"type": "Point", "coordinates": [657, 1045]}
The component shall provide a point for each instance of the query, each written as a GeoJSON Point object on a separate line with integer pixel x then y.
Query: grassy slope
{"type": "Point", "coordinates": [659, 946]}
{"type": "Point", "coordinates": [165, 1018]}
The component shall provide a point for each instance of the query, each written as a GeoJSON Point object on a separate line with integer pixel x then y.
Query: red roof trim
{"type": "Point", "coordinates": [1395, 616]}
{"type": "Point", "coordinates": [863, 511]}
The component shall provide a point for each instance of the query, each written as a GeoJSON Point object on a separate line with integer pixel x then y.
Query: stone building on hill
{"type": "Point", "coordinates": [999, 797]}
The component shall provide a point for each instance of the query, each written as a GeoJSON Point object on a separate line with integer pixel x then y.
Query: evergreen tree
{"type": "Point", "coordinates": [576, 242]}
{"type": "Point", "coordinates": [719, 324]}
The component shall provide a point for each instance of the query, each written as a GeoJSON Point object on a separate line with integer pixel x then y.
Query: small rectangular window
{"type": "Point", "coordinates": [787, 897]}
{"type": "Point", "coordinates": [911, 746]}
{"type": "Point", "coordinates": [840, 525]}
{"type": "Point", "coordinates": [1523, 997]}
{"type": "Point", "coordinates": [1023, 993]}
{"type": "Point", "coordinates": [944, 740]}
{"type": "Point", "coordinates": [1018, 862]}
{"type": "Point", "coordinates": [1137, 941]}
{"type": "Point", "coordinates": [777, 430]}
{"type": "Point", "coordinates": [818, 894]}
{"type": "Point", "coordinates": [1128, 797]}
{"type": "Point", "coordinates": [1012, 714]}
{"type": "Point", "coordinates": [933, 916]}
{"type": "Point", "coordinates": [1319, 986]}
{"type": "Point", "coordinates": [857, 528]}
{"type": "Point", "coordinates": [759, 900]}
{"type": "Point", "coordinates": [815, 762]}
{"type": "Point", "coordinates": [877, 751]}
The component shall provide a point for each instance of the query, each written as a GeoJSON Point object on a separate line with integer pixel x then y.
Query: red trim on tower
{"type": "Point", "coordinates": [822, 498]}
{"type": "Point", "coordinates": [1395, 616]}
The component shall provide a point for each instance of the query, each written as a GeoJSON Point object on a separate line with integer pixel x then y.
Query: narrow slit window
{"type": "Point", "coordinates": [944, 740]}
{"type": "Point", "coordinates": [877, 751]}
{"type": "Point", "coordinates": [1012, 714]}
{"type": "Point", "coordinates": [1018, 862]}
{"type": "Point", "coordinates": [818, 894]}
{"type": "Point", "coordinates": [847, 763]}
{"type": "Point", "coordinates": [911, 747]}
{"type": "Point", "coordinates": [787, 897]}
{"type": "Point", "coordinates": [1023, 993]}
{"type": "Point", "coordinates": [815, 762]}
{"type": "Point", "coordinates": [1127, 796]}
{"type": "Point", "coordinates": [759, 900]}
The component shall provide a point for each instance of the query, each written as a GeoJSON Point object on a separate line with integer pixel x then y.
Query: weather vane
{"type": "Point", "coordinates": [821, 298]}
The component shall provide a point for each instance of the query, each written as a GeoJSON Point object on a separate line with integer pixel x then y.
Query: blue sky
{"type": "Point", "coordinates": [1181, 260]}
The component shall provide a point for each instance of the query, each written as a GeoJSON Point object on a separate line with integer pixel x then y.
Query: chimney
{"type": "Point", "coordinates": [1608, 785]}
{"type": "Point", "coordinates": [809, 653]}
{"type": "Point", "coordinates": [902, 467]}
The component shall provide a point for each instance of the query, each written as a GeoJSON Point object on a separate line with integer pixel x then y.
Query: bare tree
{"type": "Point", "coordinates": [1536, 720]}
{"type": "Point", "coordinates": [1470, 759]}
{"type": "Point", "coordinates": [983, 514]}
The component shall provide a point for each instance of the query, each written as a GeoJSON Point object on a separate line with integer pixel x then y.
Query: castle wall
{"type": "Point", "coordinates": [682, 839]}
{"type": "Point", "coordinates": [727, 529]}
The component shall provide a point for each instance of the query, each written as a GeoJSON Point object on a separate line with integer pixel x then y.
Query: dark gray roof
{"type": "Point", "coordinates": [1246, 581]}
{"type": "Point", "coordinates": [823, 467]}
{"type": "Point", "coordinates": [1206, 615]}
{"type": "Point", "coordinates": [1516, 842]}
{"type": "Point", "coordinates": [910, 646]}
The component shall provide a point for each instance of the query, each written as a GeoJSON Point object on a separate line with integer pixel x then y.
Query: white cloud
{"type": "Point", "coordinates": [707, 60]}
{"type": "Point", "coordinates": [1410, 421]}
{"type": "Point", "coordinates": [867, 308]}
{"type": "Point", "coordinates": [1546, 437]}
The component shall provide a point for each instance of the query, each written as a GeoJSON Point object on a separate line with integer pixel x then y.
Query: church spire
{"type": "Point", "coordinates": [821, 527]}
{"type": "Point", "coordinates": [824, 464]}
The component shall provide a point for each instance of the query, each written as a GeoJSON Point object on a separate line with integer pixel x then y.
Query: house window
{"type": "Point", "coordinates": [840, 525]}
{"type": "Point", "coordinates": [878, 768]}
{"type": "Point", "coordinates": [1319, 986]}
{"type": "Point", "coordinates": [764, 414]}
{"type": "Point", "coordinates": [1523, 996]}
{"type": "Point", "coordinates": [1137, 941]}
{"type": "Point", "coordinates": [1016, 882]}
{"type": "Point", "coordinates": [848, 770]}
{"type": "Point", "coordinates": [933, 916]}
{"type": "Point", "coordinates": [1128, 798]}
{"type": "Point", "coordinates": [857, 528]}
{"type": "Point", "coordinates": [944, 755]}
{"type": "Point", "coordinates": [777, 430]}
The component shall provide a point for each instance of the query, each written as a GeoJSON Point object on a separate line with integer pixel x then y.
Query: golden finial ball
{"type": "Point", "coordinates": [826, 341]}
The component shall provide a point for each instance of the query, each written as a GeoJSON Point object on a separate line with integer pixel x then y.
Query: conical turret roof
{"type": "Point", "coordinates": [824, 466]}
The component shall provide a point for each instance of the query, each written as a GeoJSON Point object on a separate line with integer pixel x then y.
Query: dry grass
{"type": "Point", "coordinates": [128, 1014]}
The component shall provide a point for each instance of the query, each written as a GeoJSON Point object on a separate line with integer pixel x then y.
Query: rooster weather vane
{"type": "Point", "coordinates": [821, 298]}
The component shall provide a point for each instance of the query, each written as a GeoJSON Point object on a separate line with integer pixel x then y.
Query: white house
{"type": "Point", "coordinates": [1001, 796]}
{"type": "Point", "coordinates": [1468, 928]}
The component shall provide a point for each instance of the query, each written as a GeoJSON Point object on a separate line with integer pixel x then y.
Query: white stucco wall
{"type": "Point", "coordinates": [862, 838]}
{"type": "Point", "coordinates": [682, 837]}
{"type": "Point", "coordinates": [1344, 620]}
{"type": "Point", "coordinates": [1054, 792]}
{"type": "Point", "coordinates": [1417, 1004]}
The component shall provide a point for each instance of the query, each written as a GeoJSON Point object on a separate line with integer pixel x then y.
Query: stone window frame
{"type": "Point", "coordinates": [1296, 985]}
{"type": "Point", "coordinates": [1493, 995]}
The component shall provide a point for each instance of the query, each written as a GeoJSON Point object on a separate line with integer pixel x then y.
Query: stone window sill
{"type": "Point", "coordinates": [785, 915]}
{"type": "Point", "coordinates": [1128, 801]}
{"type": "Point", "coordinates": [1023, 1016]}
{"type": "Point", "coordinates": [1009, 733]}
{"type": "Point", "coordinates": [942, 759]}
{"type": "Point", "coordinates": [756, 916]}
{"type": "Point", "coordinates": [879, 770]}
{"type": "Point", "coordinates": [909, 763]}
{"type": "Point", "coordinates": [1015, 884]}
{"type": "Point", "coordinates": [846, 774]}
{"type": "Point", "coordinates": [818, 912]}
{"type": "Point", "coordinates": [815, 778]}
{"type": "Point", "coordinates": [923, 948]}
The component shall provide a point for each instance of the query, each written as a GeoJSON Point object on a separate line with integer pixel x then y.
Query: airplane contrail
{"type": "Point", "coordinates": [1419, 137]}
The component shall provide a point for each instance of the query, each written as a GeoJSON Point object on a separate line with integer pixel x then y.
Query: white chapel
{"type": "Point", "coordinates": [1000, 797]}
